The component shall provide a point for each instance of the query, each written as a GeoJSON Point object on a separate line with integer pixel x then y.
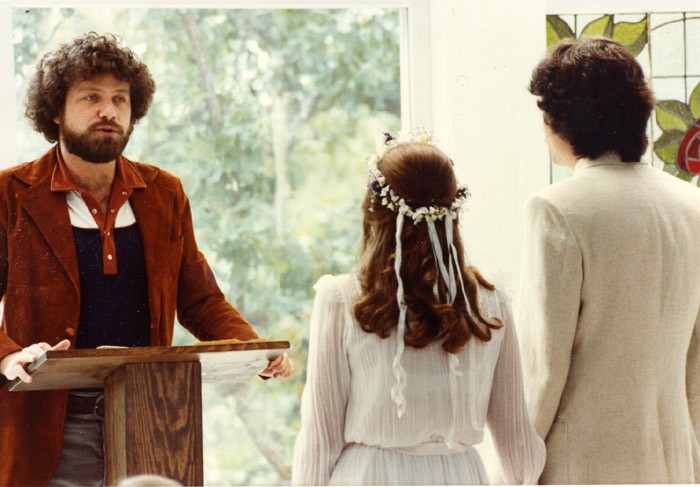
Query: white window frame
{"type": "Point", "coordinates": [415, 51]}
{"type": "Point", "coordinates": [8, 119]}
{"type": "Point", "coordinates": [555, 7]}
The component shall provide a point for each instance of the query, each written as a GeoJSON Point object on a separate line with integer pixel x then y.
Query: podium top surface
{"type": "Point", "coordinates": [88, 368]}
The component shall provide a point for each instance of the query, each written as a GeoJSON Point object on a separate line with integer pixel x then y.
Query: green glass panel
{"type": "Point", "coordinates": [673, 115]}
{"type": "Point", "coordinates": [694, 102]}
{"type": "Point", "coordinates": [599, 27]}
{"type": "Point", "coordinates": [557, 29]}
{"type": "Point", "coordinates": [632, 34]}
{"type": "Point", "coordinates": [666, 146]}
{"type": "Point", "coordinates": [673, 170]}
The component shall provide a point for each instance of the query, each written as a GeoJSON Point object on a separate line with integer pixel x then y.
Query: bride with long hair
{"type": "Point", "coordinates": [415, 353]}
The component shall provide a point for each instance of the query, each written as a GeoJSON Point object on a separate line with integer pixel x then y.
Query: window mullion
{"type": "Point", "coordinates": [8, 120]}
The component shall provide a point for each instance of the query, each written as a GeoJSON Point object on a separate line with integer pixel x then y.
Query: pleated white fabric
{"type": "Point", "coordinates": [351, 433]}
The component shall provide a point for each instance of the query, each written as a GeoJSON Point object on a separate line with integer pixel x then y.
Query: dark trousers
{"type": "Point", "coordinates": [82, 455]}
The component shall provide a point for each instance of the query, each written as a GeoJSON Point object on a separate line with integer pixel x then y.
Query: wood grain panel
{"type": "Point", "coordinates": [161, 422]}
{"type": "Point", "coordinates": [114, 428]}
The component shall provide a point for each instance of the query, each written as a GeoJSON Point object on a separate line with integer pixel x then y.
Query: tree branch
{"type": "Point", "coordinates": [267, 446]}
{"type": "Point", "coordinates": [205, 74]}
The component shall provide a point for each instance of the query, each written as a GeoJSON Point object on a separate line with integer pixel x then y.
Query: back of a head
{"type": "Point", "coordinates": [421, 173]}
{"type": "Point", "coordinates": [594, 94]}
{"type": "Point", "coordinates": [423, 177]}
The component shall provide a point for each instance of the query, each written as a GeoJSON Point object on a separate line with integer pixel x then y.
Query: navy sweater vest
{"type": "Point", "coordinates": [113, 308]}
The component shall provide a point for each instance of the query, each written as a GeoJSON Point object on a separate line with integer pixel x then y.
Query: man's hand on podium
{"type": "Point", "coordinates": [279, 368]}
{"type": "Point", "coordinates": [12, 366]}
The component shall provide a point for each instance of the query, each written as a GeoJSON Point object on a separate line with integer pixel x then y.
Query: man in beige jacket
{"type": "Point", "coordinates": [608, 308]}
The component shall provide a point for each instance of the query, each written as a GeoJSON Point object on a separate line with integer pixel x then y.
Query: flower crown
{"type": "Point", "coordinates": [382, 192]}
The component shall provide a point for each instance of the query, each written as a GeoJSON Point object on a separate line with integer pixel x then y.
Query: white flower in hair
{"type": "Point", "coordinates": [382, 192]}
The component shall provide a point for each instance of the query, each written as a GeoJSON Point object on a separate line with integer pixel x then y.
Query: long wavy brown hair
{"type": "Point", "coordinates": [422, 175]}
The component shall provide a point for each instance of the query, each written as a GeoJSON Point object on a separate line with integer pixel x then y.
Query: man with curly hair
{"type": "Point", "coordinates": [95, 249]}
{"type": "Point", "coordinates": [609, 301]}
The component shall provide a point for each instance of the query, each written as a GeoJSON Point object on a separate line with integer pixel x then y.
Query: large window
{"type": "Point", "coordinates": [267, 116]}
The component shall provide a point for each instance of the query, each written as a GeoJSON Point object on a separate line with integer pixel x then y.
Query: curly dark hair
{"type": "Point", "coordinates": [86, 57]}
{"type": "Point", "coordinates": [423, 176]}
{"type": "Point", "coordinates": [593, 94]}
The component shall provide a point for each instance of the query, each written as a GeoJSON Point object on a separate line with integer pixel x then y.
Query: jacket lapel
{"type": "Point", "coordinates": [49, 212]}
{"type": "Point", "coordinates": [148, 205]}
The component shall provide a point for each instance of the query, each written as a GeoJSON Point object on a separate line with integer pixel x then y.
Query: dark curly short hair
{"type": "Point", "coordinates": [86, 57]}
{"type": "Point", "coordinates": [594, 94]}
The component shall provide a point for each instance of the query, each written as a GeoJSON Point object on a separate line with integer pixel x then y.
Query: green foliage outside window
{"type": "Point", "coordinates": [267, 117]}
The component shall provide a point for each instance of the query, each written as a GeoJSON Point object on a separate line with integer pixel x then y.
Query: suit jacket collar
{"type": "Point", "coordinates": [607, 159]}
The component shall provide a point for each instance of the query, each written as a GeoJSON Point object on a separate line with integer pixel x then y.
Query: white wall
{"type": "Point", "coordinates": [483, 54]}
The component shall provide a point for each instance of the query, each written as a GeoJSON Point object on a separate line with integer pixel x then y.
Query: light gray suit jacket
{"type": "Point", "coordinates": [608, 320]}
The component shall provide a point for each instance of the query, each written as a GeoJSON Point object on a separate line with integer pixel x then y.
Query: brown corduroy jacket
{"type": "Point", "coordinates": [40, 283]}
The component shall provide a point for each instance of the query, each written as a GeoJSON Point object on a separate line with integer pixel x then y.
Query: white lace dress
{"type": "Point", "coordinates": [351, 433]}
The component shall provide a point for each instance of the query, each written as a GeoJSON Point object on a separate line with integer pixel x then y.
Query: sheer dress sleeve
{"type": "Point", "coordinates": [321, 439]}
{"type": "Point", "coordinates": [521, 451]}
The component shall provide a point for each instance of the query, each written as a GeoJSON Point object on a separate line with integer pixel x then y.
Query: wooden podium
{"type": "Point", "coordinates": [153, 398]}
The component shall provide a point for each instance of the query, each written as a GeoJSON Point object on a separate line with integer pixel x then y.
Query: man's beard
{"type": "Point", "coordinates": [93, 146]}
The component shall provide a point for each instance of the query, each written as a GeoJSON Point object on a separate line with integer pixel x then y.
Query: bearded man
{"type": "Point", "coordinates": [95, 249]}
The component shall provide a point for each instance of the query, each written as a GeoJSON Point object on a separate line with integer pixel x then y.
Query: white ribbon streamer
{"type": "Point", "coordinates": [399, 373]}
{"type": "Point", "coordinates": [447, 276]}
